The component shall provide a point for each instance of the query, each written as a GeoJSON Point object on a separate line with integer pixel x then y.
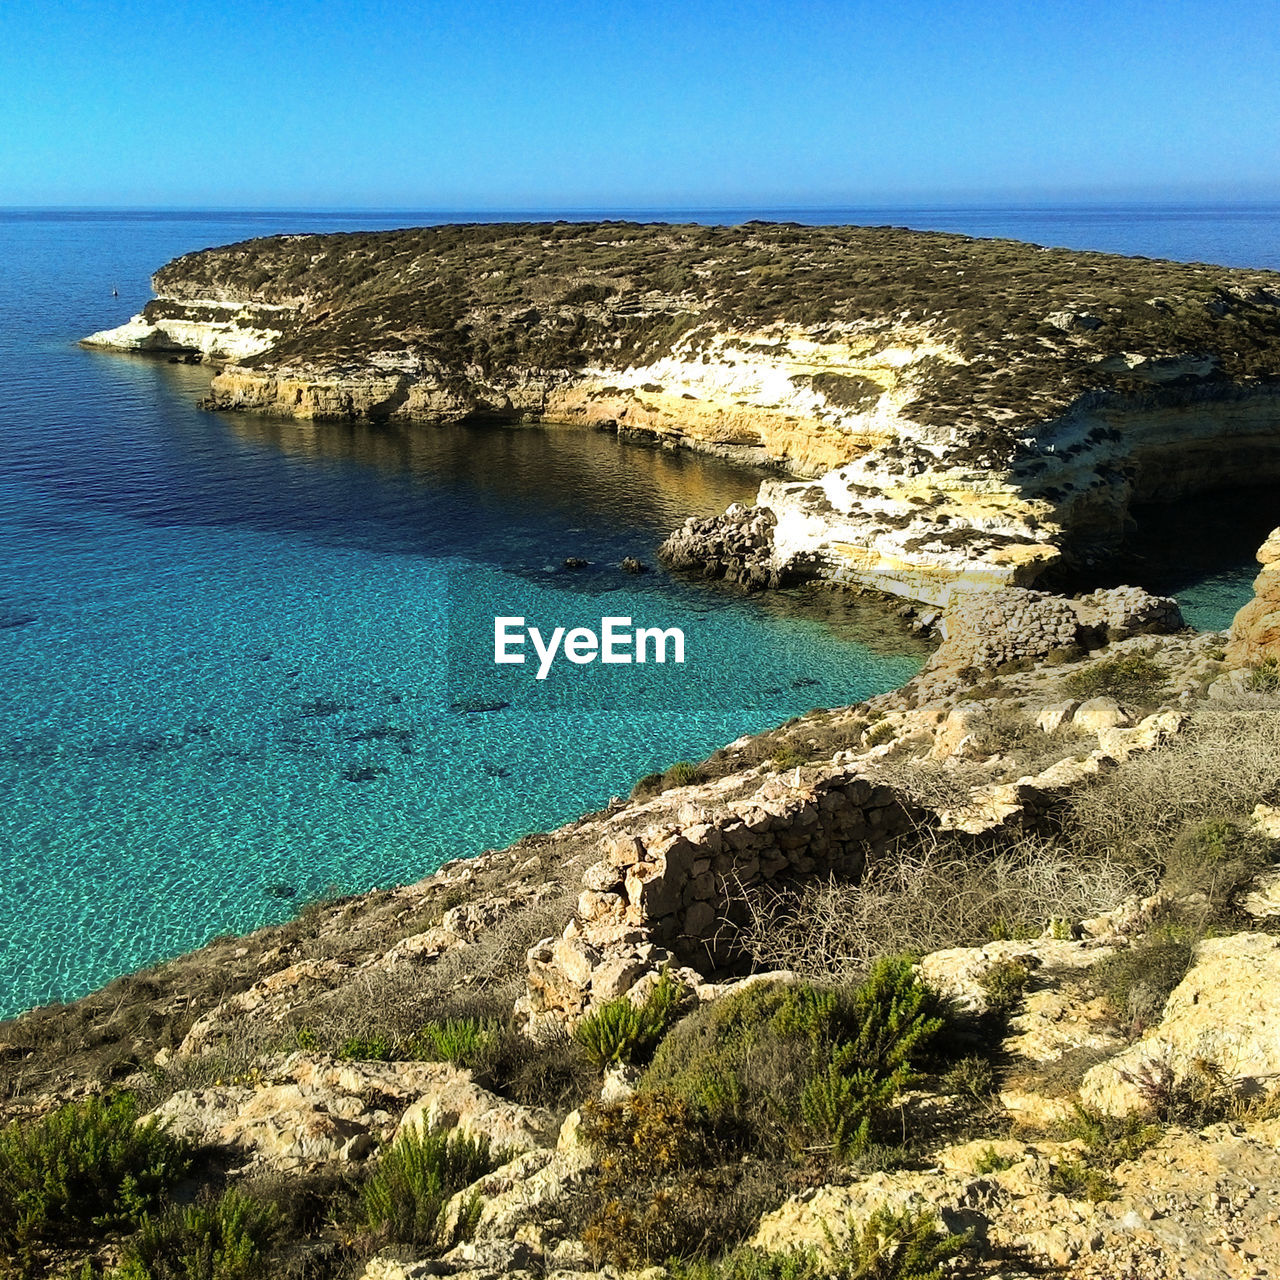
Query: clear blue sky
{"type": "Point", "coordinates": [635, 104]}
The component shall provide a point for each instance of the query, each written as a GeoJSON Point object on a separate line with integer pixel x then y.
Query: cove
{"type": "Point", "coordinates": [221, 686]}
{"type": "Point", "coordinates": [248, 662]}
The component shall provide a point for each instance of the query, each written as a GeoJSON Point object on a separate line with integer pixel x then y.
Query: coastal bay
{"type": "Point", "coordinates": [294, 609]}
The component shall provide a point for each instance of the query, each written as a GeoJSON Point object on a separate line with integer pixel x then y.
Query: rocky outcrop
{"type": "Point", "coordinates": [1255, 632]}
{"type": "Point", "coordinates": [1223, 1017]}
{"type": "Point", "coordinates": [917, 519]}
{"type": "Point", "coordinates": [737, 546]}
{"type": "Point", "coordinates": [306, 1110]}
{"type": "Point", "coordinates": [959, 412]}
{"type": "Point", "coordinates": [988, 630]}
{"type": "Point", "coordinates": [1194, 1205]}
{"type": "Point", "coordinates": [217, 330]}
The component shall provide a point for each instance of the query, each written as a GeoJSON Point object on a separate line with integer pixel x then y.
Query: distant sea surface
{"type": "Point", "coordinates": [240, 661]}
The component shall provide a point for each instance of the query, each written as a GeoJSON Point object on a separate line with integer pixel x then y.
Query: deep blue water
{"type": "Point", "coordinates": [242, 661]}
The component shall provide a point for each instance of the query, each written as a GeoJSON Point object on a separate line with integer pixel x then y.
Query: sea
{"type": "Point", "coordinates": [244, 662]}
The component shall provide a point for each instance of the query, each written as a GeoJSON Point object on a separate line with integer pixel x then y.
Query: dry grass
{"type": "Point", "coordinates": [934, 893]}
{"type": "Point", "coordinates": [1226, 762]}
{"type": "Point", "coordinates": [1114, 838]}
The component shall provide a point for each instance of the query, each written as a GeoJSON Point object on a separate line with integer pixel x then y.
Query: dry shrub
{"type": "Point", "coordinates": [1006, 729]}
{"type": "Point", "coordinates": [1225, 763]}
{"type": "Point", "coordinates": [1059, 1077]}
{"type": "Point", "coordinates": [668, 1186]}
{"type": "Point", "coordinates": [933, 894]}
{"type": "Point", "coordinates": [552, 1073]}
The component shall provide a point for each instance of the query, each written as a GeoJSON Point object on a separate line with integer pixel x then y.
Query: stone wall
{"type": "Point", "coordinates": [674, 893]}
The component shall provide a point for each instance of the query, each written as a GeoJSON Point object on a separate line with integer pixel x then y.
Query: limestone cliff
{"type": "Point", "coordinates": [1255, 632]}
{"type": "Point", "coordinates": [953, 412]}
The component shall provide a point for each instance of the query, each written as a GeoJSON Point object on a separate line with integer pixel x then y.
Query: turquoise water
{"type": "Point", "coordinates": [234, 656]}
{"type": "Point", "coordinates": [243, 661]}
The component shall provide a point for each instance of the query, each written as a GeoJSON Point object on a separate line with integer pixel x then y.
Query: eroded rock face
{"type": "Point", "coordinates": [217, 329]}
{"type": "Point", "coordinates": [1255, 632]}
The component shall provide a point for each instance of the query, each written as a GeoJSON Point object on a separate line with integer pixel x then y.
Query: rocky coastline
{"type": "Point", "coordinates": [1069, 816]}
{"type": "Point", "coordinates": [949, 413]}
{"type": "Point", "coordinates": [975, 978]}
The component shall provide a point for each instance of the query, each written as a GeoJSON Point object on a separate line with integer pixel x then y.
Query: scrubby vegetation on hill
{"type": "Point", "coordinates": [730, 1107]}
{"type": "Point", "coordinates": [1033, 328]}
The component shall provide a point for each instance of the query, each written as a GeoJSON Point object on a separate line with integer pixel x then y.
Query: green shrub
{"type": "Point", "coordinates": [786, 1065]}
{"type": "Point", "coordinates": [649, 785]}
{"type": "Point", "coordinates": [1003, 985]}
{"type": "Point", "coordinates": [1079, 1181]}
{"type": "Point", "coordinates": [225, 1239]}
{"type": "Point", "coordinates": [972, 1075]}
{"type": "Point", "coordinates": [1111, 1139]}
{"type": "Point", "coordinates": [1265, 677]}
{"type": "Point", "coordinates": [408, 1192]}
{"type": "Point", "coordinates": [620, 1031]}
{"type": "Point", "coordinates": [901, 1245]}
{"type": "Point", "coordinates": [789, 757]}
{"type": "Point", "coordinates": [87, 1166]}
{"type": "Point", "coordinates": [681, 774]}
{"type": "Point", "coordinates": [880, 733]}
{"type": "Point", "coordinates": [991, 1161]}
{"type": "Point", "coordinates": [367, 1049]}
{"type": "Point", "coordinates": [552, 1073]}
{"type": "Point", "coordinates": [1132, 675]}
{"type": "Point", "coordinates": [462, 1041]}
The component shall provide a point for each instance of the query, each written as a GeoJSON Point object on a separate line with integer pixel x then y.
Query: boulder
{"type": "Point", "coordinates": [523, 1193]}
{"type": "Point", "coordinates": [959, 733]}
{"type": "Point", "coordinates": [1051, 717]}
{"type": "Point", "coordinates": [456, 1101]}
{"type": "Point", "coordinates": [1119, 744]}
{"type": "Point", "coordinates": [1100, 713]}
{"type": "Point", "coordinates": [1262, 902]}
{"type": "Point", "coordinates": [826, 1219]}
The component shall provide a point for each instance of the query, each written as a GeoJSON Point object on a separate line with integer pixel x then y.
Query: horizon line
{"type": "Point", "coordinates": [543, 212]}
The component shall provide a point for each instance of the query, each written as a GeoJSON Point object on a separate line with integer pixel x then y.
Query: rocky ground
{"type": "Point", "coordinates": [1068, 818]}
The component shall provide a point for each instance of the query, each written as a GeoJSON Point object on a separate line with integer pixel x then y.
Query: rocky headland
{"type": "Point", "coordinates": [978, 977]}
{"type": "Point", "coordinates": [941, 412]}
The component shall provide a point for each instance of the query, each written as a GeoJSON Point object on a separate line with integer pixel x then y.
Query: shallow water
{"type": "Point", "coordinates": [242, 661]}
